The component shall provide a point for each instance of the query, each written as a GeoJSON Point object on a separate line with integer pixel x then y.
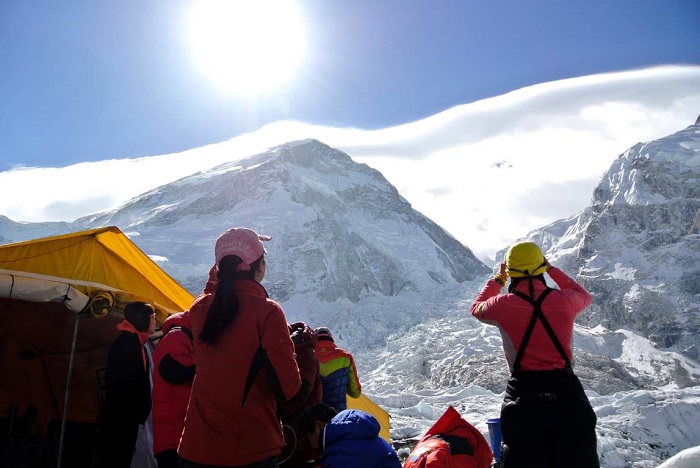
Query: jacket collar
{"type": "Point", "coordinates": [250, 287]}
{"type": "Point", "coordinates": [126, 326]}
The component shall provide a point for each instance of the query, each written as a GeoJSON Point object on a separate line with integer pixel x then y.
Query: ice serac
{"type": "Point", "coordinates": [637, 247]}
{"type": "Point", "coordinates": [340, 229]}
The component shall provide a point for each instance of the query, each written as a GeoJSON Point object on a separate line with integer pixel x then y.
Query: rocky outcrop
{"type": "Point", "coordinates": [637, 247]}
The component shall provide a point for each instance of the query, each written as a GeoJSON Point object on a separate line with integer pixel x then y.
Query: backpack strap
{"type": "Point", "coordinates": [185, 330]}
{"type": "Point", "coordinates": [537, 314]}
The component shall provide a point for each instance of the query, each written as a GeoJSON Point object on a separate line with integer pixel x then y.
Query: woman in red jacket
{"type": "Point", "coordinates": [245, 363]}
{"type": "Point", "coordinates": [546, 418]}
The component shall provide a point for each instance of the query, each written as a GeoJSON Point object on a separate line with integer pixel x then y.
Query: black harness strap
{"type": "Point", "coordinates": [538, 314]}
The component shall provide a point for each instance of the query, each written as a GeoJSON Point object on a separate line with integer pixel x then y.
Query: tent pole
{"type": "Point", "coordinates": [68, 382]}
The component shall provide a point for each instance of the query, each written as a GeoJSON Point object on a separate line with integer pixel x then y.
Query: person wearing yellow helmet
{"type": "Point", "coordinates": [546, 418]}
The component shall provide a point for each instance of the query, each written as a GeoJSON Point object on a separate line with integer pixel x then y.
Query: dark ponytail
{"type": "Point", "coordinates": [224, 306]}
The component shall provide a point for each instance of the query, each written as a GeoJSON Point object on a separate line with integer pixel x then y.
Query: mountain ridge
{"type": "Point", "coordinates": [637, 247]}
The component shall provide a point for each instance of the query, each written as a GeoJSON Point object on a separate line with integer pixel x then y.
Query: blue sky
{"type": "Point", "coordinates": [88, 81]}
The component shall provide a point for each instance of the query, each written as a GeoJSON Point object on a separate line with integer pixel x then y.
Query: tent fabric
{"type": "Point", "coordinates": [103, 259]}
{"type": "Point", "coordinates": [45, 284]}
{"type": "Point", "coordinates": [31, 289]}
{"type": "Point", "coordinates": [34, 358]}
{"type": "Point", "coordinates": [363, 403]}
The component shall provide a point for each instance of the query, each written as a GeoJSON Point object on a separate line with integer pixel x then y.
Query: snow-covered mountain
{"type": "Point", "coordinates": [637, 247]}
{"type": "Point", "coordinates": [349, 252]}
{"type": "Point", "coordinates": [340, 232]}
{"type": "Point", "coordinates": [12, 231]}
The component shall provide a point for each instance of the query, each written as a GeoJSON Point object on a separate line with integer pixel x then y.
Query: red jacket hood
{"type": "Point", "coordinates": [450, 422]}
{"type": "Point", "coordinates": [453, 424]}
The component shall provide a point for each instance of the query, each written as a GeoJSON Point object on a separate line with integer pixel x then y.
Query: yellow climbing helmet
{"type": "Point", "coordinates": [525, 259]}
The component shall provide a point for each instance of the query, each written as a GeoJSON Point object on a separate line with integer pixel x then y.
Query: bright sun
{"type": "Point", "coordinates": [248, 47]}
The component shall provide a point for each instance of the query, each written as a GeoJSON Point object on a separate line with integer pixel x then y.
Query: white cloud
{"type": "Point", "coordinates": [488, 172]}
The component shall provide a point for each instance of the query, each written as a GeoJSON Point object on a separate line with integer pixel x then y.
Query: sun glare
{"type": "Point", "coordinates": [248, 47]}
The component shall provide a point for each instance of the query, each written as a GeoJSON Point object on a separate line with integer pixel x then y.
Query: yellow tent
{"type": "Point", "coordinates": [93, 261]}
{"type": "Point", "coordinates": [61, 298]}
{"type": "Point", "coordinates": [368, 406]}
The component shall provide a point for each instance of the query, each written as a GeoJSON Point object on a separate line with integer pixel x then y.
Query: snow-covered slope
{"type": "Point", "coordinates": [457, 361]}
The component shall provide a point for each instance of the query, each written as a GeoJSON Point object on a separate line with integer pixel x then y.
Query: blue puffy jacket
{"type": "Point", "coordinates": [351, 440]}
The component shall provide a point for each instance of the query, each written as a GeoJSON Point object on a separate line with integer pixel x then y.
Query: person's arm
{"type": "Point", "coordinates": [308, 370]}
{"type": "Point", "coordinates": [578, 297]}
{"type": "Point", "coordinates": [354, 387]}
{"type": "Point", "coordinates": [491, 289]}
{"type": "Point", "coordinates": [177, 364]}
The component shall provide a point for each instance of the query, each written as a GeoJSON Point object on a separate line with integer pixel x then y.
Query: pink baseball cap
{"type": "Point", "coordinates": [242, 242]}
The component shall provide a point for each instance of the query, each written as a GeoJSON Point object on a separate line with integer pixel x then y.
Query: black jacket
{"type": "Point", "coordinates": [128, 399]}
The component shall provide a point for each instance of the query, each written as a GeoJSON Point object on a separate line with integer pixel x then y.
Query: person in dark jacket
{"type": "Point", "coordinates": [338, 371]}
{"type": "Point", "coordinates": [172, 384]}
{"type": "Point", "coordinates": [128, 400]}
{"type": "Point", "coordinates": [296, 450]}
{"type": "Point", "coordinates": [346, 439]}
{"type": "Point", "coordinates": [546, 418]}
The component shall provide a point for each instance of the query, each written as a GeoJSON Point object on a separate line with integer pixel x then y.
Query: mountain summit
{"type": "Point", "coordinates": [339, 229]}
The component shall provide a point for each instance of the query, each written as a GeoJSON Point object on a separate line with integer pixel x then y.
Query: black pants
{"type": "Point", "coordinates": [167, 459]}
{"type": "Point", "coordinates": [117, 443]}
{"type": "Point", "coordinates": [267, 463]}
{"type": "Point", "coordinates": [547, 421]}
